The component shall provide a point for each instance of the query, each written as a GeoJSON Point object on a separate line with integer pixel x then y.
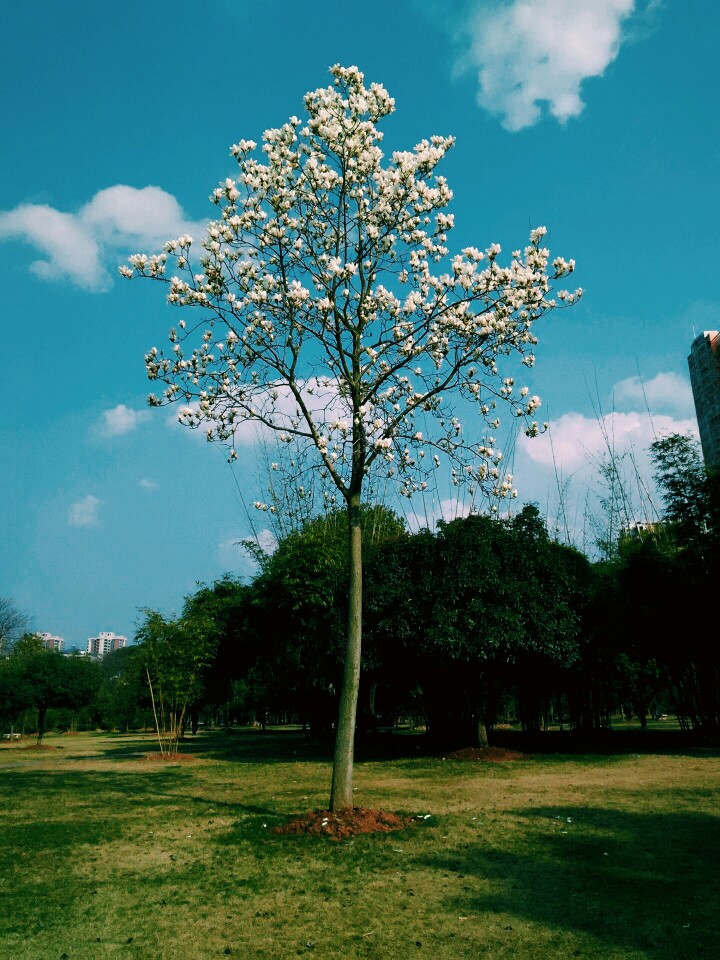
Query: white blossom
{"type": "Point", "coordinates": [328, 307]}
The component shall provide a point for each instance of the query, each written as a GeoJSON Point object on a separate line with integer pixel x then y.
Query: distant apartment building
{"type": "Point", "coordinates": [704, 364]}
{"type": "Point", "coordinates": [105, 643]}
{"type": "Point", "coordinates": [640, 529]}
{"type": "Point", "coordinates": [51, 642]}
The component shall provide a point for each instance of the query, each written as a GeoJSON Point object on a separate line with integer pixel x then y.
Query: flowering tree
{"type": "Point", "coordinates": [333, 314]}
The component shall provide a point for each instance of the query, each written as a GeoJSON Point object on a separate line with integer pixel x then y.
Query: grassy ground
{"type": "Point", "coordinates": [106, 854]}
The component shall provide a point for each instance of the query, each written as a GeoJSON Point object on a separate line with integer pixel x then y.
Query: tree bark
{"type": "Point", "coordinates": [481, 733]}
{"type": "Point", "coordinates": [341, 794]}
{"type": "Point", "coordinates": [42, 712]}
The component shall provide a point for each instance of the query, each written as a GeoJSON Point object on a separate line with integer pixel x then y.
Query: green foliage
{"type": "Point", "coordinates": [123, 701]}
{"type": "Point", "coordinates": [225, 603]}
{"type": "Point", "coordinates": [642, 642]}
{"type": "Point", "coordinates": [456, 622]}
{"type": "Point", "coordinates": [297, 614]}
{"type": "Point", "coordinates": [175, 655]}
{"type": "Point", "coordinates": [473, 609]}
{"type": "Point", "coordinates": [690, 495]}
{"type": "Point", "coordinates": [35, 678]}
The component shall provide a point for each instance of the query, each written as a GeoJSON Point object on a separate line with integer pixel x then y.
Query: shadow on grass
{"type": "Point", "coordinates": [633, 881]}
{"type": "Point", "coordinates": [237, 746]}
{"type": "Point", "coordinates": [610, 742]}
{"type": "Point", "coordinates": [245, 745]}
{"type": "Point", "coordinates": [270, 746]}
{"type": "Point", "coordinates": [75, 796]}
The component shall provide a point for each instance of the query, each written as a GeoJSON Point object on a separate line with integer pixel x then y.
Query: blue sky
{"type": "Point", "coordinates": [598, 120]}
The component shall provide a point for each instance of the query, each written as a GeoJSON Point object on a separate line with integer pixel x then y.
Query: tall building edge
{"type": "Point", "coordinates": [704, 366]}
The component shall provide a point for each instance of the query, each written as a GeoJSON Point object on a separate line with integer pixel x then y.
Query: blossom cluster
{"type": "Point", "coordinates": [334, 313]}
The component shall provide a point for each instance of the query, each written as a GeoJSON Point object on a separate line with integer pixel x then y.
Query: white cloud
{"type": "Point", "coordinates": [121, 420]}
{"type": "Point", "coordinates": [562, 470]}
{"type": "Point", "coordinates": [665, 393]}
{"type": "Point", "coordinates": [446, 509]}
{"type": "Point", "coordinates": [84, 513]}
{"type": "Point", "coordinates": [574, 440]}
{"type": "Point", "coordinates": [86, 247]}
{"type": "Point", "coordinates": [70, 249]}
{"type": "Point", "coordinates": [233, 555]}
{"type": "Point", "coordinates": [149, 485]}
{"type": "Point", "coordinates": [275, 402]}
{"type": "Point", "coordinates": [527, 53]}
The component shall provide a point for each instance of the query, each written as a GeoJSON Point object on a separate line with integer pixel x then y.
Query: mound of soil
{"type": "Point", "coordinates": [341, 824]}
{"type": "Point", "coordinates": [172, 758]}
{"type": "Point", "coordinates": [487, 754]}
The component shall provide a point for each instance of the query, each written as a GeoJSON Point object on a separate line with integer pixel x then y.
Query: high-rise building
{"type": "Point", "coordinates": [51, 642]}
{"type": "Point", "coordinates": [104, 643]}
{"type": "Point", "coordinates": [704, 364]}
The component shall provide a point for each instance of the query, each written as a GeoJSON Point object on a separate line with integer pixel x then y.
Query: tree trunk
{"type": "Point", "coordinates": [481, 733]}
{"type": "Point", "coordinates": [341, 794]}
{"type": "Point", "coordinates": [42, 712]}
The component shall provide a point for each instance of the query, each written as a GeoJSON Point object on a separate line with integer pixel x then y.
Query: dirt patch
{"type": "Point", "coordinates": [39, 746]}
{"type": "Point", "coordinates": [486, 754]}
{"type": "Point", "coordinates": [341, 824]}
{"type": "Point", "coordinates": [171, 758]}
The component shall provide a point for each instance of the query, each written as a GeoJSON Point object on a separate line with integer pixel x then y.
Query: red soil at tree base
{"type": "Point", "coordinates": [172, 758]}
{"type": "Point", "coordinates": [341, 824]}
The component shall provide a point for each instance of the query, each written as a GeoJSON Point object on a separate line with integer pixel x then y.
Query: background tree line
{"type": "Point", "coordinates": [486, 620]}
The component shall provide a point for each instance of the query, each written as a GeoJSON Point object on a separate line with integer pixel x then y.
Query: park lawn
{"type": "Point", "coordinates": [104, 853]}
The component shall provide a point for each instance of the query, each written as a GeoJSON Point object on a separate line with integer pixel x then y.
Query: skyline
{"type": "Point", "coordinates": [111, 506]}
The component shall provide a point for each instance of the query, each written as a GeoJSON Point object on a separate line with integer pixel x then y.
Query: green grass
{"type": "Point", "coordinates": [104, 854]}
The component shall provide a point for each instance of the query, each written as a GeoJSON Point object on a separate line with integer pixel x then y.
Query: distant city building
{"type": "Point", "coordinates": [105, 643]}
{"type": "Point", "coordinates": [704, 364]}
{"type": "Point", "coordinates": [638, 530]}
{"type": "Point", "coordinates": [51, 642]}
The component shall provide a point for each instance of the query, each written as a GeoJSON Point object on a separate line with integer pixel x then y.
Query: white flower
{"type": "Point", "coordinates": [326, 255]}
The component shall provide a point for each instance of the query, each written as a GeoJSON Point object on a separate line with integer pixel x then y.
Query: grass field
{"type": "Point", "coordinates": [104, 853]}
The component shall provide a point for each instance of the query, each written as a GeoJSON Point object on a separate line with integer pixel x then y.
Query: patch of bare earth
{"type": "Point", "coordinates": [486, 754]}
{"type": "Point", "coordinates": [172, 758]}
{"type": "Point", "coordinates": [341, 824]}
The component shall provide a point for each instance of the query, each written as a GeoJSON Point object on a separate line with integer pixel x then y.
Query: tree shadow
{"type": "Point", "coordinates": [92, 787]}
{"type": "Point", "coordinates": [605, 743]}
{"type": "Point", "coordinates": [251, 746]}
{"type": "Point", "coordinates": [236, 746]}
{"type": "Point", "coordinates": [633, 881]}
{"type": "Point", "coordinates": [69, 820]}
{"type": "Point", "coordinates": [244, 745]}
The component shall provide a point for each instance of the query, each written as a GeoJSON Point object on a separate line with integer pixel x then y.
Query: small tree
{"type": "Point", "coordinates": [176, 654]}
{"type": "Point", "coordinates": [12, 624]}
{"type": "Point", "coordinates": [689, 491]}
{"type": "Point", "coordinates": [325, 320]}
